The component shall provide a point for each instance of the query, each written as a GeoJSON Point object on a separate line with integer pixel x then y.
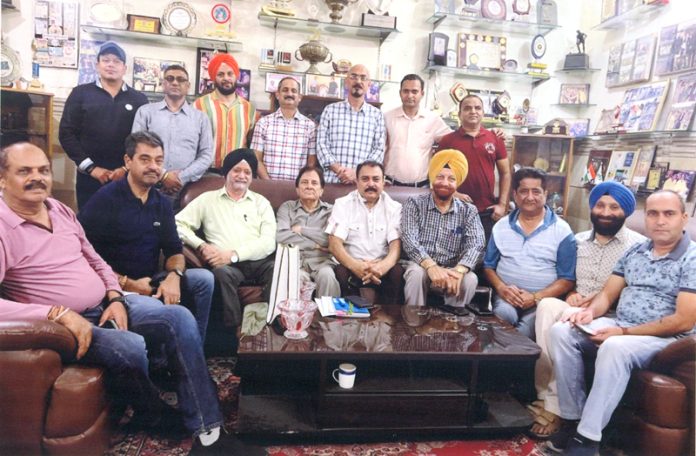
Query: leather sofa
{"type": "Point", "coordinates": [657, 417]}
{"type": "Point", "coordinates": [48, 406]}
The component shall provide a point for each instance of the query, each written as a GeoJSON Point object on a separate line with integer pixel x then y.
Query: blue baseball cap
{"type": "Point", "coordinates": [110, 47]}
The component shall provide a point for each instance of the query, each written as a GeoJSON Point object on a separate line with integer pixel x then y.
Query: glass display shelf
{"type": "Point", "coordinates": [263, 70]}
{"type": "Point", "coordinates": [166, 40]}
{"type": "Point", "coordinates": [657, 134]}
{"type": "Point", "coordinates": [640, 14]}
{"type": "Point", "coordinates": [493, 25]}
{"type": "Point", "coordinates": [311, 26]}
{"type": "Point", "coordinates": [490, 74]}
{"type": "Point", "coordinates": [576, 70]}
{"type": "Point", "coordinates": [574, 105]}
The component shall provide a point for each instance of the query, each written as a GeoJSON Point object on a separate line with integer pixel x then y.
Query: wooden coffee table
{"type": "Point", "coordinates": [416, 373]}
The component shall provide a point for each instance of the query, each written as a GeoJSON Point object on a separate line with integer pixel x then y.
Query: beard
{"type": "Point", "coordinates": [224, 90]}
{"type": "Point", "coordinates": [443, 193]}
{"type": "Point", "coordinates": [607, 226]}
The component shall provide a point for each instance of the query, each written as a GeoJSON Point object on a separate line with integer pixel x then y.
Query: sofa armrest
{"type": "Point", "coordinates": [677, 352]}
{"type": "Point", "coordinates": [192, 260]}
{"type": "Point", "coordinates": [33, 335]}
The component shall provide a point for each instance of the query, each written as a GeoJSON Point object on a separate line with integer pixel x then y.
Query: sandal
{"type": "Point", "coordinates": [545, 424]}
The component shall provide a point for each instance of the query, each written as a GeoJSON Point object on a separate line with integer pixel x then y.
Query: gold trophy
{"type": "Point", "coordinates": [337, 7]}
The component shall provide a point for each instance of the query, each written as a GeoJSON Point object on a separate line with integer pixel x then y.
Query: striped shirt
{"type": "Point", "coordinates": [532, 262]}
{"type": "Point", "coordinates": [285, 143]}
{"type": "Point", "coordinates": [230, 124]}
{"type": "Point", "coordinates": [349, 137]}
{"type": "Point", "coordinates": [455, 237]}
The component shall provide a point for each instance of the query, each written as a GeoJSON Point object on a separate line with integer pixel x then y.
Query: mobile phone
{"type": "Point", "coordinates": [586, 329]}
{"type": "Point", "coordinates": [110, 324]}
{"type": "Point", "coordinates": [458, 311]}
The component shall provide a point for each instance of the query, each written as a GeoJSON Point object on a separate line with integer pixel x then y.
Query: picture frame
{"type": "Point", "coordinates": [372, 94]}
{"type": "Point", "coordinates": [148, 72]}
{"type": "Point", "coordinates": [324, 86]}
{"type": "Point", "coordinates": [204, 84]}
{"type": "Point", "coordinates": [578, 128]}
{"type": "Point", "coordinates": [606, 122]}
{"type": "Point", "coordinates": [676, 50]}
{"type": "Point", "coordinates": [273, 79]}
{"type": "Point", "coordinates": [574, 94]}
{"type": "Point", "coordinates": [681, 109]}
{"type": "Point", "coordinates": [630, 62]}
{"type": "Point", "coordinates": [244, 84]}
{"type": "Point", "coordinates": [680, 181]}
{"type": "Point", "coordinates": [621, 166]}
{"type": "Point", "coordinates": [641, 106]}
{"type": "Point", "coordinates": [488, 97]}
{"type": "Point", "coordinates": [55, 33]}
{"type": "Point", "coordinates": [481, 52]}
{"type": "Point", "coordinates": [656, 177]}
{"type": "Point", "coordinates": [143, 24]}
{"type": "Point", "coordinates": [596, 168]}
{"type": "Point", "coordinates": [608, 9]}
{"type": "Point", "coordinates": [451, 58]}
{"type": "Point", "coordinates": [437, 48]}
{"type": "Point", "coordinates": [645, 163]}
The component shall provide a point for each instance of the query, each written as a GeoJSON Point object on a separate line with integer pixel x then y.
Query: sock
{"type": "Point", "coordinates": [210, 437]}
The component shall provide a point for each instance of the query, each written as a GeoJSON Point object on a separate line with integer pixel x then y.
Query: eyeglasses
{"type": "Point", "coordinates": [358, 77]}
{"type": "Point", "coordinates": [179, 79]}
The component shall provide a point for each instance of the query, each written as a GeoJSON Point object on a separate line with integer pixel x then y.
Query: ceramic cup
{"type": "Point", "coordinates": [345, 375]}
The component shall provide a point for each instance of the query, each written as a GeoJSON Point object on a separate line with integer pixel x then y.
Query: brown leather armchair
{"type": "Point", "coordinates": [46, 405]}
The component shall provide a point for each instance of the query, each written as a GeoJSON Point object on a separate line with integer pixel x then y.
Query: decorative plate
{"type": "Point", "coordinates": [538, 46]}
{"type": "Point", "coordinates": [179, 18]}
{"type": "Point", "coordinates": [220, 13]}
{"type": "Point", "coordinates": [510, 65]}
{"type": "Point", "coordinates": [494, 9]}
{"type": "Point", "coordinates": [10, 66]}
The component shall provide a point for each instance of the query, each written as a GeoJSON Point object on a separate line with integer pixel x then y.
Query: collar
{"type": "Point", "coordinates": [549, 219]}
{"type": "Point", "coordinates": [359, 198]}
{"type": "Point", "coordinates": [482, 132]}
{"type": "Point", "coordinates": [123, 187]}
{"type": "Point", "coordinates": [454, 207]}
{"type": "Point", "coordinates": [621, 235]}
{"type": "Point", "coordinates": [214, 96]}
{"type": "Point", "coordinates": [298, 205]}
{"type": "Point", "coordinates": [279, 114]}
{"type": "Point", "coordinates": [12, 219]}
{"type": "Point", "coordinates": [350, 108]}
{"type": "Point", "coordinates": [222, 193]}
{"type": "Point", "coordinates": [679, 250]}
{"type": "Point", "coordinates": [124, 86]}
{"type": "Point", "coordinates": [162, 105]}
{"type": "Point", "coordinates": [401, 113]}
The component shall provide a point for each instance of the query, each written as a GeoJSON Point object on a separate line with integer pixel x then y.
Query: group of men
{"type": "Point", "coordinates": [547, 281]}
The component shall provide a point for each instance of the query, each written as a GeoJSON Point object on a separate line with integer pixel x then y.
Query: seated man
{"type": "Point", "coordinates": [239, 233]}
{"type": "Point", "coordinates": [655, 285]}
{"type": "Point", "coordinates": [531, 254]}
{"type": "Point", "coordinates": [442, 236]}
{"type": "Point", "coordinates": [364, 237]}
{"type": "Point", "coordinates": [129, 223]}
{"type": "Point", "coordinates": [49, 270]}
{"type": "Point", "coordinates": [302, 222]}
{"type": "Point", "coordinates": [598, 251]}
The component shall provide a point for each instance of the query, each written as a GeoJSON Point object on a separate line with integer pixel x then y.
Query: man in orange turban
{"type": "Point", "coordinates": [231, 116]}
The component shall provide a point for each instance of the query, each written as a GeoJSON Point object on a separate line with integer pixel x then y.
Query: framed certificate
{"type": "Point", "coordinates": [482, 52]}
{"type": "Point", "coordinates": [143, 24]}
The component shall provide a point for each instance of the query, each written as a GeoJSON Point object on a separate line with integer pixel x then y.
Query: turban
{"type": "Point", "coordinates": [238, 155]}
{"type": "Point", "coordinates": [219, 59]}
{"type": "Point", "coordinates": [455, 160]}
{"type": "Point", "coordinates": [618, 191]}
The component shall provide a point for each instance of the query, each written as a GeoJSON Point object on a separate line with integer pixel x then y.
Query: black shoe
{"type": "Point", "coordinates": [558, 441]}
{"type": "Point", "coordinates": [165, 422]}
{"type": "Point", "coordinates": [581, 446]}
{"type": "Point", "coordinates": [228, 445]}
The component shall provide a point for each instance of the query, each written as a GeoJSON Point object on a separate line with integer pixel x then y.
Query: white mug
{"type": "Point", "coordinates": [345, 375]}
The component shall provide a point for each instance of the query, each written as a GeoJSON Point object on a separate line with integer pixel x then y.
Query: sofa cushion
{"type": "Point", "coordinates": [660, 400]}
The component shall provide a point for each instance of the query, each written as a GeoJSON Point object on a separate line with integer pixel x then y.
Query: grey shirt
{"type": "Point", "coordinates": [291, 213]}
{"type": "Point", "coordinates": [187, 137]}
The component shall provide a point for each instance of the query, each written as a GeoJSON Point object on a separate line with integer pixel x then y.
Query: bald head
{"type": "Point", "coordinates": [358, 82]}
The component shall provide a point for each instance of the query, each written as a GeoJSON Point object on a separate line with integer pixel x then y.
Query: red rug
{"type": "Point", "coordinates": [140, 444]}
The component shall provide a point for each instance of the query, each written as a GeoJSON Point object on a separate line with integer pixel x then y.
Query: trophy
{"type": "Point", "coordinates": [377, 15]}
{"type": "Point", "coordinates": [337, 7]}
{"type": "Point", "coordinates": [536, 68]}
{"type": "Point", "coordinates": [313, 51]}
{"type": "Point", "coordinates": [579, 60]}
{"type": "Point", "coordinates": [278, 8]}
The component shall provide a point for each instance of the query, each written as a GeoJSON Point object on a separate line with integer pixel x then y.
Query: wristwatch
{"type": "Point", "coordinates": [461, 269]}
{"type": "Point", "coordinates": [234, 258]}
{"type": "Point", "coordinates": [120, 299]}
{"type": "Point", "coordinates": [178, 272]}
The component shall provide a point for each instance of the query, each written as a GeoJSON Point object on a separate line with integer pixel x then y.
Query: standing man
{"type": "Point", "coordinates": [655, 285]}
{"type": "Point", "coordinates": [350, 132]}
{"type": "Point", "coordinates": [239, 230]}
{"type": "Point", "coordinates": [598, 251]}
{"type": "Point", "coordinates": [364, 237]}
{"type": "Point", "coordinates": [531, 254]}
{"type": "Point", "coordinates": [411, 133]}
{"type": "Point", "coordinates": [442, 236]}
{"type": "Point", "coordinates": [302, 222]}
{"type": "Point", "coordinates": [485, 152]}
{"type": "Point", "coordinates": [185, 132]}
{"type": "Point", "coordinates": [96, 120]}
{"type": "Point", "coordinates": [285, 140]}
{"type": "Point", "coordinates": [231, 116]}
{"type": "Point", "coordinates": [129, 223]}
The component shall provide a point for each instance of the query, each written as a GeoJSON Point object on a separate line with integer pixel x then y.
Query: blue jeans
{"type": "Point", "coordinates": [197, 296]}
{"type": "Point", "coordinates": [615, 359]}
{"type": "Point", "coordinates": [522, 319]}
{"type": "Point", "coordinates": [153, 328]}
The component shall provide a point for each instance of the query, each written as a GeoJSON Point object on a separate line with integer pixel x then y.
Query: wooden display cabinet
{"type": "Point", "coordinates": [28, 112]}
{"type": "Point", "coordinates": [553, 154]}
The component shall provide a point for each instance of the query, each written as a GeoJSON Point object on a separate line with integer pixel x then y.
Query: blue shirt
{"type": "Point", "coordinates": [652, 284]}
{"type": "Point", "coordinates": [128, 234]}
{"type": "Point", "coordinates": [532, 262]}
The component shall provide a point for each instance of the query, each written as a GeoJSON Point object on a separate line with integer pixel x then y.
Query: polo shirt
{"type": "Point", "coordinates": [128, 233]}
{"type": "Point", "coordinates": [482, 152]}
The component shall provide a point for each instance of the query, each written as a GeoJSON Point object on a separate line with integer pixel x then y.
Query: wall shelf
{"type": "Point", "coordinates": [164, 40]}
{"type": "Point", "coordinates": [494, 25]}
{"type": "Point", "coordinates": [640, 135]}
{"type": "Point", "coordinates": [328, 28]}
{"type": "Point", "coordinates": [490, 74]}
{"type": "Point", "coordinates": [640, 14]}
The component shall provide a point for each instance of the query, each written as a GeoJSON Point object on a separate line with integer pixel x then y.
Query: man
{"type": "Point", "coordinates": [411, 133]}
{"type": "Point", "coordinates": [364, 237]}
{"type": "Point", "coordinates": [442, 236]}
{"type": "Point", "coordinates": [285, 140]}
{"type": "Point", "coordinates": [302, 222]}
{"type": "Point", "coordinates": [231, 117]}
{"type": "Point", "coordinates": [485, 152]}
{"type": "Point", "coordinates": [350, 132]}
{"type": "Point", "coordinates": [531, 254]}
{"type": "Point", "coordinates": [129, 223]}
{"type": "Point", "coordinates": [97, 117]}
{"type": "Point", "coordinates": [185, 132]}
{"type": "Point", "coordinates": [654, 283]}
{"type": "Point", "coordinates": [239, 233]}
{"type": "Point", "coordinates": [598, 251]}
{"type": "Point", "coordinates": [49, 271]}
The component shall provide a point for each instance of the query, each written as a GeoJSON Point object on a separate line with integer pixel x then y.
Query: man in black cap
{"type": "Point", "coordinates": [96, 120]}
{"type": "Point", "coordinates": [239, 228]}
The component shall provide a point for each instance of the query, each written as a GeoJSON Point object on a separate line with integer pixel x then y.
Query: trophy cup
{"type": "Point", "coordinates": [579, 60]}
{"type": "Point", "coordinates": [337, 7]}
{"type": "Point", "coordinates": [313, 51]}
{"type": "Point", "coordinates": [278, 8]}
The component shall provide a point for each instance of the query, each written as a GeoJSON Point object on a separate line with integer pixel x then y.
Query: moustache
{"type": "Point", "coordinates": [357, 85]}
{"type": "Point", "coordinates": [371, 189]}
{"type": "Point", "coordinates": [35, 184]}
{"type": "Point", "coordinates": [289, 98]}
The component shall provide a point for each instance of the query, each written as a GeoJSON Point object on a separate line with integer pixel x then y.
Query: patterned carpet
{"type": "Point", "coordinates": [140, 444]}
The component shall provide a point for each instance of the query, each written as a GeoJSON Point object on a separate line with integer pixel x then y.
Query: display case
{"type": "Point", "coordinates": [28, 112]}
{"type": "Point", "coordinates": [550, 153]}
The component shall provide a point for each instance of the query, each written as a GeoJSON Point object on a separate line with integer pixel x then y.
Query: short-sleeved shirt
{"type": "Point", "coordinates": [652, 284]}
{"type": "Point", "coordinates": [532, 262]}
{"type": "Point", "coordinates": [366, 232]}
{"type": "Point", "coordinates": [128, 233]}
{"type": "Point", "coordinates": [482, 152]}
{"type": "Point", "coordinates": [285, 143]}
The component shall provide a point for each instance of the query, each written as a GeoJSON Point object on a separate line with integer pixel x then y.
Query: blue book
{"type": "Point", "coordinates": [345, 308]}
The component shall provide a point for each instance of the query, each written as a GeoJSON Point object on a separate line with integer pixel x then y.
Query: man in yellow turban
{"type": "Point", "coordinates": [442, 236]}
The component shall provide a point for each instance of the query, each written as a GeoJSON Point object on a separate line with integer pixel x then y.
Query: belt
{"type": "Point", "coordinates": [393, 181]}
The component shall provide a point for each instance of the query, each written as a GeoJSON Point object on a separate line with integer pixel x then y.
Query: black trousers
{"type": "Point", "coordinates": [391, 288]}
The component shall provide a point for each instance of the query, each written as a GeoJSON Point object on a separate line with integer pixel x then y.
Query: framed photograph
{"type": "Point", "coordinates": [324, 86]}
{"type": "Point", "coordinates": [642, 62]}
{"type": "Point", "coordinates": [144, 24]}
{"type": "Point", "coordinates": [606, 123]}
{"type": "Point", "coordinates": [645, 161]}
{"type": "Point", "coordinates": [641, 106]}
{"type": "Point", "coordinates": [147, 73]}
{"type": "Point", "coordinates": [597, 164]}
{"type": "Point", "coordinates": [244, 83]}
{"type": "Point", "coordinates": [656, 177]}
{"type": "Point", "coordinates": [681, 109]}
{"type": "Point", "coordinates": [488, 97]}
{"type": "Point", "coordinates": [451, 58]}
{"type": "Point", "coordinates": [680, 181]}
{"type": "Point", "coordinates": [437, 49]}
{"type": "Point", "coordinates": [630, 62]}
{"type": "Point", "coordinates": [574, 94]}
{"type": "Point", "coordinates": [578, 127]}
{"type": "Point", "coordinates": [87, 69]}
{"type": "Point", "coordinates": [614, 66]}
{"type": "Point", "coordinates": [372, 94]}
{"type": "Point", "coordinates": [203, 83]}
{"type": "Point", "coordinates": [676, 51]}
{"type": "Point", "coordinates": [628, 54]}
{"type": "Point", "coordinates": [482, 52]}
{"type": "Point", "coordinates": [267, 58]}
{"type": "Point", "coordinates": [621, 166]}
{"type": "Point", "coordinates": [273, 79]}
{"type": "Point", "coordinates": [56, 28]}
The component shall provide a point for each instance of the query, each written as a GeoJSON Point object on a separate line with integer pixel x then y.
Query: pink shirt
{"type": "Point", "coordinates": [41, 268]}
{"type": "Point", "coordinates": [410, 142]}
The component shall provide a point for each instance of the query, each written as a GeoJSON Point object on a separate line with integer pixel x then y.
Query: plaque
{"type": "Point", "coordinates": [547, 12]}
{"type": "Point", "coordinates": [471, 8]}
{"type": "Point", "coordinates": [437, 50]}
{"type": "Point", "coordinates": [521, 7]}
{"type": "Point", "coordinates": [143, 24]}
{"type": "Point", "coordinates": [457, 93]}
{"type": "Point", "coordinates": [451, 58]}
{"type": "Point", "coordinates": [482, 52]}
{"type": "Point", "coordinates": [494, 9]}
{"type": "Point", "coordinates": [179, 18]}
{"type": "Point", "coordinates": [373, 20]}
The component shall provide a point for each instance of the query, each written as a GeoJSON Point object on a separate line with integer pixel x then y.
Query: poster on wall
{"type": "Point", "coordinates": [641, 106]}
{"type": "Point", "coordinates": [681, 108]}
{"type": "Point", "coordinates": [147, 73]}
{"type": "Point", "coordinates": [87, 68]}
{"type": "Point", "coordinates": [56, 28]}
{"type": "Point", "coordinates": [676, 51]}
